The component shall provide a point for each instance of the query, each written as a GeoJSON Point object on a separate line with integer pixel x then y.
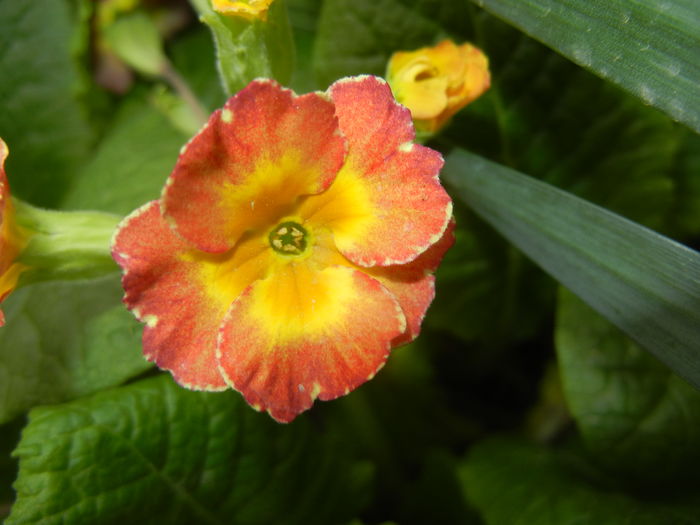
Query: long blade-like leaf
{"type": "Point", "coordinates": [645, 283]}
{"type": "Point", "coordinates": [649, 48]}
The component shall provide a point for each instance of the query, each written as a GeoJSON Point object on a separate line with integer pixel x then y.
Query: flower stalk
{"type": "Point", "coordinates": [64, 245]}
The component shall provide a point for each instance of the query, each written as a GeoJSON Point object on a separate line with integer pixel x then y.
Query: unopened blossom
{"type": "Point", "coordinates": [248, 9]}
{"type": "Point", "coordinates": [292, 248]}
{"type": "Point", "coordinates": [436, 82]}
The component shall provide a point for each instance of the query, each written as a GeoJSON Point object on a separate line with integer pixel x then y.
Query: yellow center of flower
{"type": "Point", "coordinates": [289, 238]}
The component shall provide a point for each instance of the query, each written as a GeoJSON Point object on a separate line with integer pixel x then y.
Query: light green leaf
{"type": "Point", "coordinates": [515, 483]}
{"type": "Point", "coordinates": [248, 49]}
{"type": "Point", "coordinates": [131, 163]}
{"type": "Point", "coordinates": [41, 119]}
{"type": "Point", "coordinates": [643, 282]}
{"type": "Point", "coordinates": [63, 340]}
{"type": "Point", "coordinates": [153, 452]}
{"type": "Point", "coordinates": [648, 48]}
{"type": "Point", "coordinates": [134, 38]}
{"type": "Point", "coordinates": [637, 417]}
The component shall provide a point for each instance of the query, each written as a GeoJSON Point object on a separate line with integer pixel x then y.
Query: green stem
{"type": "Point", "coordinates": [180, 86]}
{"type": "Point", "coordinates": [65, 245]}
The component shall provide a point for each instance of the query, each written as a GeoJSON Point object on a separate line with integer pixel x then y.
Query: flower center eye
{"type": "Point", "coordinates": [289, 238]}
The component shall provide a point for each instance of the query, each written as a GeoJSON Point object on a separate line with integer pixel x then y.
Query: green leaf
{"type": "Point", "coordinates": [153, 452]}
{"type": "Point", "coordinates": [131, 163]}
{"type": "Point", "coordinates": [512, 482]}
{"type": "Point", "coordinates": [248, 49]}
{"type": "Point", "coordinates": [134, 38]}
{"type": "Point", "coordinates": [63, 340]}
{"type": "Point", "coordinates": [648, 48]}
{"type": "Point", "coordinates": [558, 122]}
{"type": "Point", "coordinates": [637, 418]}
{"type": "Point", "coordinates": [485, 276]}
{"type": "Point", "coordinates": [358, 36]}
{"type": "Point", "coordinates": [41, 120]}
{"type": "Point", "coordinates": [641, 281]}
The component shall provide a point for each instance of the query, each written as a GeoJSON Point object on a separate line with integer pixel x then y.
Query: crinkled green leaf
{"type": "Point", "coordinates": [247, 49]}
{"type": "Point", "coordinates": [515, 483]}
{"type": "Point", "coordinates": [63, 340]}
{"type": "Point", "coordinates": [648, 48]}
{"type": "Point", "coordinates": [41, 120]}
{"type": "Point", "coordinates": [131, 163]}
{"type": "Point", "coordinates": [153, 452]}
{"type": "Point", "coordinates": [641, 281]}
{"type": "Point", "coordinates": [636, 416]}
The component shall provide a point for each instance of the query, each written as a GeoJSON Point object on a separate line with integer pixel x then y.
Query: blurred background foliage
{"type": "Point", "coordinates": [518, 403]}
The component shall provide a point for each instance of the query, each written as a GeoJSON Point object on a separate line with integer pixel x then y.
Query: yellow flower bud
{"type": "Point", "coordinates": [248, 9]}
{"type": "Point", "coordinates": [436, 82]}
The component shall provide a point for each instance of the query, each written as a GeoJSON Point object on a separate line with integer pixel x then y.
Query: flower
{"type": "Point", "coordinates": [436, 82]}
{"type": "Point", "coordinates": [248, 9]}
{"type": "Point", "coordinates": [12, 239]}
{"type": "Point", "coordinates": [292, 247]}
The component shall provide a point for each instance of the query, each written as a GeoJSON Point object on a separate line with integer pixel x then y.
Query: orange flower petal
{"type": "Point", "coordinates": [303, 334]}
{"type": "Point", "coordinates": [386, 205]}
{"type": "Point", "coordinates": [251, 163]}
{"type": "Point", "coordinates": [180, 293]}
{"type": "Point", "coordinates": [11, 240]}
{"type": "Point", "coordinates": [373, 122]}
{"type": "Point", "coordinates": [413, 284]}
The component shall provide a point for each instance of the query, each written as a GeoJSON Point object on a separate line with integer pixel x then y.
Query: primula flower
{"type": "Point", "coordinates": [12, 239]}
{"type": "Point", "coordinates": [248, 9]}
{"type": "Point", "coordinates": [436, 82]}
{"type": "Point", "coordinates": [293, 245]}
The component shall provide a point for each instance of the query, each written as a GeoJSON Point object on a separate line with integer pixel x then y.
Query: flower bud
{"type": "Point", "coordinates": [436, 82]}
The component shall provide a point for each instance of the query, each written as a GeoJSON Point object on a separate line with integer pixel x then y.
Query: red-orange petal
{"type": "Point", "coordinates": [413, 284]}
{"type": "Point", "coordinates": [282, 350]}
{"type": "Point", "coordinates": [374, 124]}
{"type": "Point", "coordinates": [163, 290]}
{"type": "Point", "coordinates": [11, 241]}
{"type": "Point", "coordinates": [386, 205]}
{"type": "Point", "coordinates": [251, 162]}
